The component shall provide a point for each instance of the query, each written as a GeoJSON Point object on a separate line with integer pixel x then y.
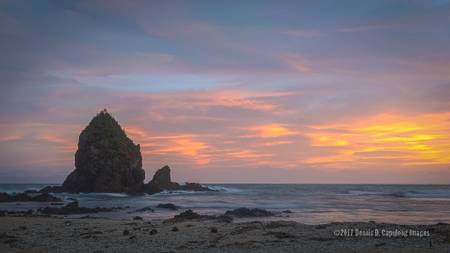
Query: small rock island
{"type": "Point", "coordinates": [108, 161]}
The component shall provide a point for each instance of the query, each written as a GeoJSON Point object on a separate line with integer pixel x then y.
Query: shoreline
{"type": "Point", "coordinates": [62, 234]}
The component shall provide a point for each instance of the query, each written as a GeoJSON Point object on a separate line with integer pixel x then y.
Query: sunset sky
{"type": "Point", "coordinates": [231, 91]}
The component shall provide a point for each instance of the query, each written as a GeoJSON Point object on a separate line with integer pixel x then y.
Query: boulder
{"type": "Point", "coordinates": [194, 187]}
{"type": "Point", "coordinates": [168, 206]}
{"type": "Point", "coordinates": [247, 212]}
{"type": "Point", "coordinates": [54, 189]}
{"type": "Point", "coordinates": [191, 215]}
{"type": "Point", "coordinates": [106, 159]}
{"type": "Point", "coordinates": [45, 197]}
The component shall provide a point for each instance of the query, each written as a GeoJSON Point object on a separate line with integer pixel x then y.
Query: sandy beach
{"type": "Point", "coordinates": [57, 234]}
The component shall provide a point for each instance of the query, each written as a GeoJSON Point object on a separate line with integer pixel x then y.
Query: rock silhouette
{"type": "Point", "coordinates": [106, 159]}
{"type": "Point", "coordinates": [161, 181]}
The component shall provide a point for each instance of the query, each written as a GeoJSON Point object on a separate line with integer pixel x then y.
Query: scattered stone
{"type": "Point", "coordinates": [175, 229]}
{"type": "Point", "coordinates": [188, 215]}
{"type": "Point", "coordinates": [145, 209]}
{"type": "Point", "coordinates": [224, 218]}
{"type": "Point", "coordinates": [168, 206]}
{"type": "Point", "coordinates": [280, 235]}
{"type": "Point", "coordinates": [213, 230]}
{"type": "Point", "coordinates": [287, 211]}
{"type": "Point", "coordinates": [153, 231]}
{"type": "Point", "coordinates": [137, 218]}
{"type": "Point", "coordinates": [132, 237]}
{"type": "Point", "coordinates": [279, 224]}
{"type": "Point", "coordinates": [247, 212]}
{"type": "Point", "coordinates": [126, 232]}
{"type": "Point", "coordinates": [73, 208]}
{"type": "Point", "coordinates": [191, 215]}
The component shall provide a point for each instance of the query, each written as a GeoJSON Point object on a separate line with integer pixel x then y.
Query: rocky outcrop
{"type": "Point", "coordinates": [23, 197]}
{"type": "Point", "coordinates": [162, 181]}
{"type": "Point", "coordinates": [169, 206]}
{"type": "Point", "coordinates": [73, 208]}
{"type": "Point", "coordinates": [106, 159]}
{"type": "Point", "coordinates": [191, 215]}
{"type": "Point", "coordinates": [247, 212]}
{"type": "Point", "coordinates": [193, 187]}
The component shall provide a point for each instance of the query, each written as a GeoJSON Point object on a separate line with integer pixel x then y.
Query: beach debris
{"type": "Point", "coordinates": [168, 206]}
{"type": "Point", "coordinates": [247, 212]}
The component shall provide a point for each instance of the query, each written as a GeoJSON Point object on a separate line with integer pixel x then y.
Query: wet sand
{"type": "Point", "coordinates": [56, 234]}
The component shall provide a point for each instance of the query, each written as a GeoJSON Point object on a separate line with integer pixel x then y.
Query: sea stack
{"type": "Point", "coordinates": [161, 181]}
{"type": "Point", "coordinates": [106, 159]}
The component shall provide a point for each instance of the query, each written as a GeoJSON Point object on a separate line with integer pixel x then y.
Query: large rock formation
{"type": "Point", "coordinates": [106, 159]}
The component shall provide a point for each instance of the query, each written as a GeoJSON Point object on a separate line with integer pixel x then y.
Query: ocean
{"type": "Point", "coordinates": [308, 203]}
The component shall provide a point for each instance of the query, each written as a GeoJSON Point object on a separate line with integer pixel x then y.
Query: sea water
{"type": "Point", "coordinates": [308, 203]}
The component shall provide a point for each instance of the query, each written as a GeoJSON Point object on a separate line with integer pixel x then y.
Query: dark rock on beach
{"type": "Point", "coordinates": [144, 209]}
{"type": "Point", "coordinates": [23, 197]}
{"type": "Point", "coordinates": [168, 206]}
{"type": "Point", "coordinates": [188, 215]}
{"type": "Point", "coordinates": [73, 208]}
{"type": "Point", "coordinates": [249, 212]}
{"type": "Point", "coordinates": [45, 197]}
{"type": "Point", "coordinates": [106, 159]}
{"type": "Point", "coordinates": [191, 215]}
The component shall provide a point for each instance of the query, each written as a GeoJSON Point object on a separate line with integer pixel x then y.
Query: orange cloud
{"type": "Point", "coordinates": [399, 139]}
{"type": "Point", "coordinates": [158, 144]}
{"type": "Point", "coordinates": [270, 131]}
{"type": "Point", "coordinates": [10, 137]}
